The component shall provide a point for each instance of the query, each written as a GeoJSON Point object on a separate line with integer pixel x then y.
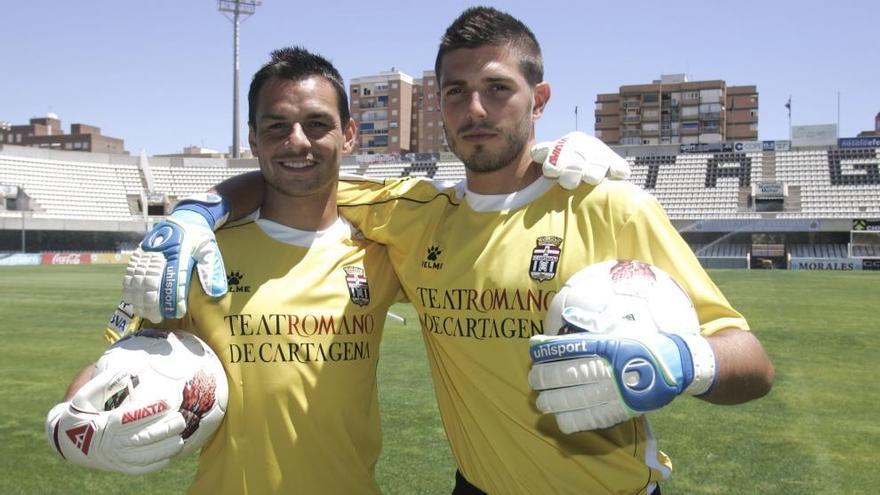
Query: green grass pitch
{"type": "Point", "coordinates": [817, 431]}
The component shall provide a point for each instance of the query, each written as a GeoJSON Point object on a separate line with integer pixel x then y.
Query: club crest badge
{"type": "Point", "coordinates": [358, 289]}
{"type": "Point", "coordinates": [545, 258]}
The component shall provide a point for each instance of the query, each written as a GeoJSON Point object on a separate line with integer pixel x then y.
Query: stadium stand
{"type": "Point", "coordinates": [710, 196]}
{"type": "Point", "coordinates": [692, 186]}
{"type": "Point", "coordinates": [832, 183]}
{"type": "Point", "coordinates": [72, 189]}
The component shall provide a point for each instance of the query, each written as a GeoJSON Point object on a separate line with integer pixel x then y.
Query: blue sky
{"type": "Point", "coordinates": [159, 73]}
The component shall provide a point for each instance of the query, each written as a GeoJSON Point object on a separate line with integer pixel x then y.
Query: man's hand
{"type": "Point", "coordinates": [578, 157]}
{"type": "Point", "coordinates": [157, 277]}
{"type": "Point", "coordinates": [135, 438]}
{"type": "Point", "coordinates": [592, 381]}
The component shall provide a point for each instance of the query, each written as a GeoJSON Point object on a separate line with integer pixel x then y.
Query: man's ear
{"type": "Point", "coordinates": [542, 96]}
{"type": "Point", "coordinates": [252, 140]}
{"type": "Point", "coordinates": [349, 133]}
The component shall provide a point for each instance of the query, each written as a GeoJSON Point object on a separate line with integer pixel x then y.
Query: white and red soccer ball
{"type": "Point", "coordinates": [622, 296]}
{"type": "Point", "coordinates": [169, 371]}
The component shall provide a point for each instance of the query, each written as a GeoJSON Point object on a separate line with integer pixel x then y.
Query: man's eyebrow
{"type": "Point", "coordinates": [490, 79]}
{"type": "Point", "coordinates": [310, 115]}
{"type": "Point", "coordinates": [498, 79]}
{"type": "Point", "coordinates": [319, 115]}
{"type": "Point", "coordinates": [458, 82]}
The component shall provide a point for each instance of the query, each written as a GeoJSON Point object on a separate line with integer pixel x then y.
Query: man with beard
{"type": "Point", "coordinates": [480, 261]}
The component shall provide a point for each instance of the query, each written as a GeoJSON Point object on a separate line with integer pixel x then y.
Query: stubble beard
{"type": "Point", "coordinates": [482, 160]}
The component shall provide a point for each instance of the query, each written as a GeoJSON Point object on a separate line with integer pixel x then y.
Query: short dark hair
{"type": "Point", "coordinates": [297, 63]}
{"type": "Point", "coordinates": [479, 26]}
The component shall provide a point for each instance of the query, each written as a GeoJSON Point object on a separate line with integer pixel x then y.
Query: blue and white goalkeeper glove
{"type": "Point", "coordinates": [157, 277]}
{"type": "Point", "coordinates": [591, 381]}
{"type": "Point", "coordinates": [578, 157]}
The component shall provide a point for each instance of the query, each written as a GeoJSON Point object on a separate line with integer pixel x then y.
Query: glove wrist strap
{"type": "Point", "coordinates": [51, 421]}
{"type": "Point", "coordinates": [212, 207]}
{"type": "Point", "coordinates": [703, 358]}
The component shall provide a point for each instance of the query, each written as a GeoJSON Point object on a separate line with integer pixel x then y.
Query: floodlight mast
{"type": "Point", "coordinates": [239, 10]}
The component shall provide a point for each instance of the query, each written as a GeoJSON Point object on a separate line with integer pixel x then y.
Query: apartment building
{"type": "Point", "coordinates": [382, 107]}
{"type": "Point", "coordinates": [46, 132]}
{"type": "Point", "coordinates": [673, 110]}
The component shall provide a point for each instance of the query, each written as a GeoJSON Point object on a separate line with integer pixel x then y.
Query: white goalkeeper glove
{"type": "Point", "coordinates": [591, 381]}
{"type": "Point", "coordinates": [135, 438]}
{"type": "Point", "coordinates": [578, 157]}
{"type": "Point", "coordinates": [157, 277]}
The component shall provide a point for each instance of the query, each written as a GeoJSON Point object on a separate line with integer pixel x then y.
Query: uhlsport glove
{"type": "Point", "coordinates": [135, 438]}
{"type": "Point", "coordinates": [591, 381]}
{"type": "Point", "coordinates": [157, 277]}
{"type": "Point", "coordinates": [578, 157]}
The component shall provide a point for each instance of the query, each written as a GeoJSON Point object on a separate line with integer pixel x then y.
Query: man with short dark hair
{"type": "Point", "coordinates": [299, 333]}
{"type": "Point", "coordinates": [481, 260]}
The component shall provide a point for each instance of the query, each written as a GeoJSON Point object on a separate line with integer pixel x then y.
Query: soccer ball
{"type": "Point", "coordinates": [170, 370]}
{"type": "Point", "coordinates": [621, 296]}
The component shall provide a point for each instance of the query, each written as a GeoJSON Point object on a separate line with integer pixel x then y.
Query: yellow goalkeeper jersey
{"type": "Point", "coordinates": [298, 334]}
{"type": "Point", "coordinates": [481, 271]}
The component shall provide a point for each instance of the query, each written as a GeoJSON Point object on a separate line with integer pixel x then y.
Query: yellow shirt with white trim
{"type": "Point", "coordinates": [298, 335]}
{"type": "Point", "coordinates": [481, 271]}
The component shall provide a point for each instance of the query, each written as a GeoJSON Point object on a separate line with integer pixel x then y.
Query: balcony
{"type": "Point", "coordinates": [710, 115]}
{"type": "Point", "coordinates": [379, 132]}
{"type": "Point", "coordinates": [373, 104]}
{"type": "Point", "coordinates": [689, 131]}
{"type": "Point", "coordinates": [632, 104]}
{"type": "Point", "coordinates": [632, 119]}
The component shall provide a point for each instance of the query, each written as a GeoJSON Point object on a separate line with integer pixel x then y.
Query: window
{"type": "Point", "coordinates": [354, 91]}
{"type": "Point", "coordinates": [430, 82]}
{"type": "Point", "coordinates": [393, 139]}
{"type": "Point", "coordinates": [394, 113]}
{"type": "Point", "coordinates": [394, 100]}
{"type": "Point", "coordinates": [710, 95]}
{"type": "Point", "coordinates": [394, 85]}
{"type": "Point", "coordinates": [710, 107]}
{"type": "Point", "coordinates": [430, 124]}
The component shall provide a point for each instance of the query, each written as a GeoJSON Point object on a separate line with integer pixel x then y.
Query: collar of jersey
{"type": "Point", "coordinates": [504, 202]}
{"type": "Point", "coordinates": [340, 230]}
